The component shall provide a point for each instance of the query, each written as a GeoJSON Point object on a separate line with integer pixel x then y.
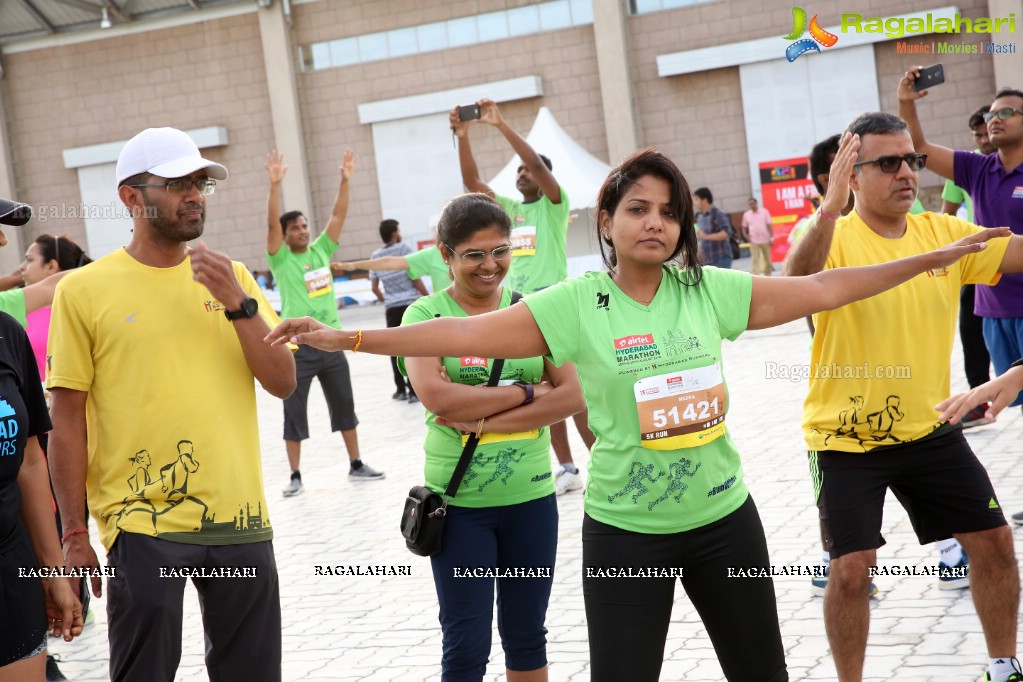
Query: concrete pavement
{"type": "Point", "coordinates": [384, 628]}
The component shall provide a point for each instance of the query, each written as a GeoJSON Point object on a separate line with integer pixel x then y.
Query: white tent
{"type": "Point", "coordinates": [580, 173]}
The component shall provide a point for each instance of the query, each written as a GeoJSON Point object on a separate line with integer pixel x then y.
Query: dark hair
{"type": "Point", "coordinates": [388, 227]}
{"type": "Point", "coordinates": [821, 156]}
{"type": "Point", "coordinates": [546, 162]}
{"type": "Point", "coordinates": [977, 117]}
{"type": "Point", "coordinates": [137, 179]}
{"type": "Point", "coordinates": [61, 249]}
{"type": "Point", "coordinates": [877, 123]}
{"type": "Point", "coordinates": [467, 214]}
{"type": "Point", "coordinates": [1008, 92]}
{"type": "Point", "coordinates": [704, 194]}
{"type": "Point", "coordinates": [642, 163]}
{"type": "Point", "coordinates": [288, 217]}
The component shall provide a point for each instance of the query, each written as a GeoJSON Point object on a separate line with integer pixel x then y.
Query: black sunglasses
{"type": "Point", "coordinates": [1003, 113]}
{"type": "Point", "coordinates": [891, 164]}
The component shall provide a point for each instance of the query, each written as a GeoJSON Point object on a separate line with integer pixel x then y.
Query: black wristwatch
{"type": "Point", "coordinates": [1017, 363]}
{"type": "Point", "coordinates": [529, 392]}
{"type": "Point", "coordinates": [250, 308]}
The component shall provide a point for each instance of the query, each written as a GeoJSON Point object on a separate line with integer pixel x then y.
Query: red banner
{"type": "Point", "coordinates": [786, 187]}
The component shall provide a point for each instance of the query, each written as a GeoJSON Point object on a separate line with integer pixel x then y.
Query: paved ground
{"type": "Point", "coordinates": [384, 628]}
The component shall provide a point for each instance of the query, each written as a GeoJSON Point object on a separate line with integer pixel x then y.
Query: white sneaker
{"type": "Point", "coordinates": [293, 488]}
{"type": "Point", "coordinates": [566, 482]}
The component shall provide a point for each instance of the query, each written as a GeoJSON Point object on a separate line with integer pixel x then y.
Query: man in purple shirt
{"type": "Point", "coordinates": [995, 182]}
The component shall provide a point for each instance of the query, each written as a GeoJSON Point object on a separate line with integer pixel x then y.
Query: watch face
{"type": "Point", "coordinates": [250, 307]}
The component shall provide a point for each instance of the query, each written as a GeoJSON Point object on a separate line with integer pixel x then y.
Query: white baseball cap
{"type": "Point", "coordinates": [166, 152]}
{"type": "Point", "coordinates": [14, 213]}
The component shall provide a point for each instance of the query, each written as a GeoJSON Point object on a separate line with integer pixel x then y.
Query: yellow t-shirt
{"type": "Point", "coordinates": [879, 366]}
{"type": "Point", "coordinates": [171, 413]}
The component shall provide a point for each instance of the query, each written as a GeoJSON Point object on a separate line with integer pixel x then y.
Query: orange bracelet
{"type": "Point", "coordinates": [358, 341]}
{"type": "Point", "coordinates": [71, 533]}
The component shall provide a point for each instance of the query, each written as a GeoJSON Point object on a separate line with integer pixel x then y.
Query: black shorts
{"type": "Point", "coordinates": [332, 371]}
{"type": "Point", "coordinates": [940, 482]}
{"type": "Point", "coordinates": [22, 610]}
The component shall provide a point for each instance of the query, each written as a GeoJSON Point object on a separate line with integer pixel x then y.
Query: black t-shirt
{"type": "Point", "coordinates": [22, 414]}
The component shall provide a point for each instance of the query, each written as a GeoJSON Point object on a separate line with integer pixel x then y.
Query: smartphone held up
{"type": "Point", "coordinates": [929, 77]}
{"type": "Point", "coordinates": [469, 112]}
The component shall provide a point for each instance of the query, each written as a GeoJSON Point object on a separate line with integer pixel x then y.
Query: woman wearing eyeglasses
{"type": "Point", "coordinates": [666, 499]}
{"type": "Point", "coordinates": [504, 516]}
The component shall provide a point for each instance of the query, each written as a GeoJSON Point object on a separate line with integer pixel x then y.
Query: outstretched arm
{"type": "Point", "coordinates": [939, 159]}
{"type": "Point", "coordinates": [382, 263]}
{"type": "Point", "coordinates": [466, 161]}
{"type": "Point", "coordinates": [506, 333]}
{"type": "Point", "coordinates": [779, 300]}
{"type": "Point", "coordinates": [810, 253]}
{"type": "Point", "coordinates": [340, 210]}
{"type": "Point", "coordinates": [999, 392]}
{"type": "Point", "coordinates": [40, 294]}
{"type": "Point", "coordinates": [276, 169]}
{"type": "Point", "coordinates": [490, 113]}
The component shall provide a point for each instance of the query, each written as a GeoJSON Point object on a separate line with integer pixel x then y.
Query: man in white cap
{"type": "Point", "coordinates": [153, 351]}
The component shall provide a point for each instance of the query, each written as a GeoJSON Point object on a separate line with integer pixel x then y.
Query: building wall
{"type": "Point", "coordinates": [212, 73]}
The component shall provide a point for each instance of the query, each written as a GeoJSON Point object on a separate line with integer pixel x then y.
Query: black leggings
{"type": "Point", "coordinates": [627, 618]}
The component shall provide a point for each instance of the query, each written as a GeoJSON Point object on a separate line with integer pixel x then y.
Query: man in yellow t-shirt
{"type": "Point", "coordinates": [153, 351]}
{"type": "Point", "coordinates": [878, 368]}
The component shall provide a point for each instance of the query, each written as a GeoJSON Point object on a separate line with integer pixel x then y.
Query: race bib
{"type": "Point", "coordinates": [523, 241]}
{"type": "Point", "coordinates": [681, 409]}
{"type": "Point", "coordinates": [319, 282]}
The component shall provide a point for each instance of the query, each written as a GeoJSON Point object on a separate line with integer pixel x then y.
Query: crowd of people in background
{"type": "Point", "coordinates": [631, 354]}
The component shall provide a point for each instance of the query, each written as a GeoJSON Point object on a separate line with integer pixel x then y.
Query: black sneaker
{"type": "Point", "coordinates": [398, 395]}
{"type": "Point", "coordinates": [412, 397]}
{"type": "Point", "coordinates": [53, 673]}
{"type": "Point", "coordinates": [1017, 518]}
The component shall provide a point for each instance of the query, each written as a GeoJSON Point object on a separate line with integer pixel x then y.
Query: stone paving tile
{"type": "Point", "coordinates": [384, 628]}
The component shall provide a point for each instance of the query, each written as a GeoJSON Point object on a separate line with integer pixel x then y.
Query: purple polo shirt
{"type": "Point", "coordinates": [997, 202]}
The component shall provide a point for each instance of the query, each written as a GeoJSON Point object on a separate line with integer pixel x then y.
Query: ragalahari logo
{"type": "Point", "coordinates": [818, 36]}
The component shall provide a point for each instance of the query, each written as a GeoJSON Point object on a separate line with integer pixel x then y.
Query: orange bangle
{"type": "Point", "coordinates": [358, 341]}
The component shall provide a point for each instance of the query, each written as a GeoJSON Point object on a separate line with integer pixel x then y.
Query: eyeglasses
{"type": "Point", "coordinates": [477, 257]}
{"type": "Point", "coordinates": [891, 164]}
{"type": "Point", "coordinates": [1003, 113]}
{"type": "Point", "coordinates": [184, 185]}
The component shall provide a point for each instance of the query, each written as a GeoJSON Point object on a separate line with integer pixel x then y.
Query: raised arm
{"type": "Point", "coordinates": [490, 113]}
{"type": "Point", "coordinates": [276, 169]}
{"type": "Point", "coordinates": [40, 294]}
{"type": "Point", "coordinates": [1012, 261]}
{"type": "Point", "coordinates": [506, 333]}
{"type": "Point", "coordinates": [466, 161]}
{"type": "Point", "coordinates": [777, 300]}
{"type": "Point", "coordinates": [810, 253]}
{"type": "Point", "coordinates": [939, 159]}
{"type": "Point", "coordinates": [382, 263]}
{"type": "Point", "coordinates": [340, 210]}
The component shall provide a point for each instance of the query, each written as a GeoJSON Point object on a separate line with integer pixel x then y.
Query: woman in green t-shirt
{"type": "Point", "coordinates": [665, 496]}
{"type": "Point", "coordinates": [502, 524]}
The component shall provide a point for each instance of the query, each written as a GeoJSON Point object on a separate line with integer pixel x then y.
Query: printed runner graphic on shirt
{"type": "Point", "coordinates": [638, 473]}
{"type": "Point", "coordinates": [676, 472]}
{"type": "Point", "coordinates": [875, 427]}
{"type": "Point", "coordinates": [502, 469]}
{"type": "Point", "coordinates": [166, 503]}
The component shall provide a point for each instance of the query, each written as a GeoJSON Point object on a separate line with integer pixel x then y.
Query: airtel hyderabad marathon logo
{"type": "Point", "coordinates": [818, 36]}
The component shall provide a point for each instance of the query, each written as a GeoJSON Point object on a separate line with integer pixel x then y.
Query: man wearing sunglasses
{"type": "Point", "coordinates": [880, 367]}
{"type": "Point", "coordinates": [995, 183]}
{"type": "Point", "coordinates": [153, 347]}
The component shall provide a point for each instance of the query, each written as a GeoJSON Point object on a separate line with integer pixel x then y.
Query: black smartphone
{"type": "Point", "coordinates": [470, 112]}
{"type": "Point", "coordinates": [83, 596]}
{"type": "Point", "coordinates": [929, 77]}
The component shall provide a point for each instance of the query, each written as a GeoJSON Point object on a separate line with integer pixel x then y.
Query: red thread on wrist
{"type": "Point", "coordinates": [71, 533]}
{"type": "Point", "coordinates": [828, 216]}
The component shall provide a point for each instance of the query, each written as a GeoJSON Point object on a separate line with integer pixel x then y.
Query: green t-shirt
{"type": "Point", "coordinates": [305, 282]}
{"type": "Point", "coordinates": [12, 302]}
{"type": "Point", "coordinates": [957, 195]}
{"type": "Point", "coordinates": [506, 468]}
{"type": "Point", "coordinates": [429, 262]}
{"type": "Point", "coordinates": [539, 231]}
{"type": "Point", "coordinates": [651, 375]}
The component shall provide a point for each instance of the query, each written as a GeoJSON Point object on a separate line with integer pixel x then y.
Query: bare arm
{"type": "Point", "coordinates": [276, 169]}
{"type": "Point", "coordinates": [490, 113]}
{"type": "Point", "coordinates": [273, 368]}
{"type": "Point", "coordinates": [466, 161]}
{"type": "Point", "coordinates": [1012, 261]}
{"type": "Point", "coordinates": [999, 392]}
{"type": "Point", "coordinates": [810, 253]}
{"type": "Point", "coordinates": [458, 402]}
{"type": "Point", "coordinates": [420, 287]}
{"type": "Point", "coordinates": [779, 300]}
{"type": "Point", "coordinates": [12, 281]}
{"type": "Point", "coordinates": [340, 210]}
{"type": "Point", "coordinates": [68, 454]}
{"type": "Point", "coordinates": [506, 333]}
{"type": "Point", "coordinates": [382, 263]}
{"type": "Point", "coordinates": [949, 207]}
{"type": "Point", "coordinates": [939, 159]}
{"type": "Point", "coordinates": [40, 294]}
{"type": "Point", "coordinates": [376, 289]}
